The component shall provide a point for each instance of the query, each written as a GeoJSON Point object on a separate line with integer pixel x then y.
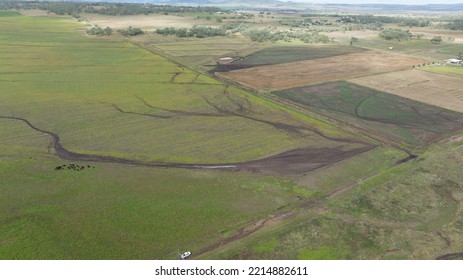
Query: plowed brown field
{"type": "Point", "coordinates": [431, 88]}
{"type": "Point", "coordinates": [288, 75]}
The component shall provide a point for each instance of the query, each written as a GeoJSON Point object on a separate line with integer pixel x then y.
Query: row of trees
{"type": "Point", "coordinates": [131, 31]}
{"type": "Point", "coordinates": [396, 34]}
{"type": "Point", "coordinates": [370, 19]}
{"type": "Point", "coordinates": [196, 31]}
{"type": "Point", "coordinates": [264, 35]}
{"type": "Point", "coordinates": [98, 31]}
{"type": "Point", "coordinates": [456, 24]}
{"type": "Point", "coordinates": [137, 9]}
{"type": "Point", "coordinates": [255, 34]}
{"type": "Point", "coordinates": [74, 8]}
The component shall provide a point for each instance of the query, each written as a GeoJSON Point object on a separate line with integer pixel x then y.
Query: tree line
{"type": "Point", "coordinates": [195, 31]}
{"type": "Point", "coordinates": [116, 9]}
{"type": "Point", "coordinates": [255, 34]}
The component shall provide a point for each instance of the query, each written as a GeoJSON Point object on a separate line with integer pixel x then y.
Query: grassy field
{"type": "Point", "coordinates": [9, 14]}
{"type": "Point", "coordinates": [385, 114]}
{"type": "Point", "coordinates": [112, 98]}
{"type": "Point", "coordinates": [351, 171]}
{"type": "Point", "coordinates": [428, 86]}
{"type": "Point", "coordinates": [111, 211]}
{"type": "Point", "coordinates": [454, 70]}
{"type": "Point", "coordinates": [115, 99]}
{"type": "Point", "coordinates": [309, 189]}
{"type": "Point", "coordinates": [412, 211]}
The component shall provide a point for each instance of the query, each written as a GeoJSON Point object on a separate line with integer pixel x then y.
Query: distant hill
{"type": "Point", "coordinates": [288, 5]}
{"type": "Point", "coordinates": [428, 7]}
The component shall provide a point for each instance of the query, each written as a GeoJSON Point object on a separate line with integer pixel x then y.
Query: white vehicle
{"type": "Point", "coordinates": [185, 255]}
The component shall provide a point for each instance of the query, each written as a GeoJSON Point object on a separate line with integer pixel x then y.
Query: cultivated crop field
{"type": "Point", "coordinates": [453, 70]}
{"type": "Point", "coordinates": [385, 114]}
{"type": "Point", "coordinates": [308, 72]}
{"type": "Point", "coordinates": [423, 86]}
{"type": "Point", "coordinates": [285, 54]}
{"type": "Point", "coordinates": [202, 52]}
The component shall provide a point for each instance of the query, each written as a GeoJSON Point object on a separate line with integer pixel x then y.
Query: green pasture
{"type": "Point", "coordinates": [351, 171]}
{"type": "Point", "coordinates": [9, 14]}
{"type": "Point", "coordinates": [108, 97]}
{"type": "Point", "coordinates": [112, 211]}
{"type": "Point", "coordinates": [405, 120]}
{"type": "Point", "coordinates": [454, 70]}
{"type": "Point", "coordinates": [113, 98]}
{"type": "Point", "coordinates": [411, 211]}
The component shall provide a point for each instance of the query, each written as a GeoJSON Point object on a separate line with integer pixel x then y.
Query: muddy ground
{"type": "Point", "coordinates": [290, 162]}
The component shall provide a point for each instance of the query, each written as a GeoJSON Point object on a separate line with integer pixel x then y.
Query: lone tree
{"type": "Point", "coordinates": [436, 40]}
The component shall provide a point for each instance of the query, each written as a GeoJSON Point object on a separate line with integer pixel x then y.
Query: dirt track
{"type": "Point", "coordinates": [290, 162]}
{"type": "Point", "coordinates": [452, 256]}
{"type": "Point", "coordinates": [309, 204]}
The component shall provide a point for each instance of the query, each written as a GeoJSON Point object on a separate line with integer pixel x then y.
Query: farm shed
{"type": "Point", "coordinates": [454, 61]}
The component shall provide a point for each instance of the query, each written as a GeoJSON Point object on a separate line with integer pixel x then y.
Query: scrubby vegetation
{"type": "Point", "coordinates": [114, 9]}
{"type": "Point", "coordinates": [196, 31]}
{"type": "Point", "coordinates": [98, 31]}
{"type": "Point", "coordinates": [371, 19]}
{"type": "Point", "coordinates": [131, 31]}
{"type": "Point", "coordinates": [253, 33]}
{"type": "Point", "coordinates": [264, 35]}
{"type": "Point", "coordinates": [396, 34]}
{"type": "Point", "coordinates": [456, 24]}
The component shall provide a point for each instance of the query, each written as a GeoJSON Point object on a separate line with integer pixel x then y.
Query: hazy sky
{"type": "Point", "coordinates": [412, 2]}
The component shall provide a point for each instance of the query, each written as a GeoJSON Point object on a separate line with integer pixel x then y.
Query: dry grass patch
{"type": "Point", "coordinates": [145, 22]}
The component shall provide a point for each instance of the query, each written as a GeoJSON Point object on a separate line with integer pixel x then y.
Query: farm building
{"type": "Point", "coordinates": [225, 60]}
{"type": "Point", "coordinates": [454, 61]}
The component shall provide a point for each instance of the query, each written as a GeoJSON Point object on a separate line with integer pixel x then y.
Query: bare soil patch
{"type": "Point", "coordinates": [145, 22]}
{"type": "Point", "coordinates": [431, 88]}
{"type": "Point", "coordinates": [308, 72]}
{"type": "Point", "coordinates": [347, 35]}
{"type": "Point", "coordinates": [302, 160]}
{"type": "Point", "coordinates": [35, 13]}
